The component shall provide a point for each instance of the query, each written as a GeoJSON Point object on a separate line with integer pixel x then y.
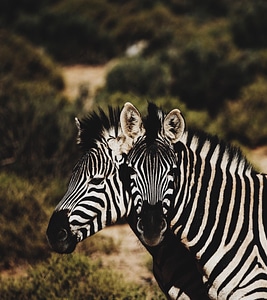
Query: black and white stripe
{"type": "Point", "coordinates": [151, 173]}
{"type": "Point", "coordinates": [96, 197]}
{"type": "Point", "coordinates": [219, 210]}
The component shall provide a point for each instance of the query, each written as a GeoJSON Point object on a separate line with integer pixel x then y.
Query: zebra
{"type": "Point", "coordinates": [219, 204]}
{"type": "Point", "coordinates": [97, 196]}
{"type": "Point", "coordinates": [84, 209]}
{"type": "Point", "coordinates": [152, 164]}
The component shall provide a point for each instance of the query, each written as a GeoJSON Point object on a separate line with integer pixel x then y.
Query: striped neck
{"type": "Point", "coordinates": [204, 165]}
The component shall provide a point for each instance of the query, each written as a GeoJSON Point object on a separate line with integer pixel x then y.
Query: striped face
{"type": "Point", "coordinates": [152, 178]}
{"type": "Point", "coordinates": [152, 165]}
{"type": "Point", "coordinates": [94, 199]}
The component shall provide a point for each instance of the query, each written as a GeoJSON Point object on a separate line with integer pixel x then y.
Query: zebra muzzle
{"type": "Point", "coordinates": [58, 233]}
{"type": "Point", "coordinates": [152, 231]}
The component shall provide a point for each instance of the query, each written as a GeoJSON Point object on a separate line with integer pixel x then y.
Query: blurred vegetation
{"type": "Point", "coordinates": [25, 207]}
{"type": "Point", "coordinates": [74, 277]}
{"type": "Point", "coordinates": [37, 124]}
{"type": "Point", "coordinates": [202, 53]}
{"type": "Point", "coordinates": [249, 24]}
{"type": "Point", "coordinates": [244, 119]}
{"type": "Point", "coordinates": [23, 217]}
{"type": "Point", "coordinates": [152, 80]}
{"type": "Point", "coordinates": [98, 243]}
{"type": "Point", "coordinates": [208, 58]}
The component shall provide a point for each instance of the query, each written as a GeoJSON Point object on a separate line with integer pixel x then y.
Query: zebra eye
{"type": "Point", "coordinates": [96, 180]}
{"type": "Point", "coordinates": [131, 171]}
{"type": "Point", "coordinates": [172, 172]}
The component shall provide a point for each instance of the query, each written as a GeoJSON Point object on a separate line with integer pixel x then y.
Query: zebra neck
{"type": "Point", "coordinates": [220, 214]}
{"type": "Point", "coordinates": [214, 180]}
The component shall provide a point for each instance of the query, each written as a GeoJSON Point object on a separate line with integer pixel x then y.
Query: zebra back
{"type": "Point", "coordinates": [219, 214]}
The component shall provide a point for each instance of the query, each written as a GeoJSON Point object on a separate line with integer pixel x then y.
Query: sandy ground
{"type": "Point", "coordinates": [131, 259]}
{"type": "Point", "coordinates": [77, 76]}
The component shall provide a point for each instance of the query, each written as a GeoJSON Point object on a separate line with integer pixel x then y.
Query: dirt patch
{"type": "Point", "coordinates": [78, 76]}
{"type": "Point", "coordinates": [131, 258]}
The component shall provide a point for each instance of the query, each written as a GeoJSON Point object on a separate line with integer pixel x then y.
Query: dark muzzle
{"type": "Point", "coordinates": [58, 233]}
{"type": "Point", "coordinates": [152, 224]}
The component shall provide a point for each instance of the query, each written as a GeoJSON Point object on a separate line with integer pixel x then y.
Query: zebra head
{"type": "Point", "coordinates": [95, 196]}
{"type": "Point", "coordinates": [152, 162]}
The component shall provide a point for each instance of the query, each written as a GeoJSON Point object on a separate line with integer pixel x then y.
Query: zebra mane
{"type": "Point", "coordinates": [196, 139]}
{"type": "Point", "coordinates": [153, 123]}
{"type": "Point", "coordinates": [95, 126]}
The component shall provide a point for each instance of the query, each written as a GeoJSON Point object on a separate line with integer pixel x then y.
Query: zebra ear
{"type": "Point", "coordinates": [174, 126]}
{"type": "Point", "coordinates": [131, 121]}
{"type": "Point", "coordinates": [78, 124]}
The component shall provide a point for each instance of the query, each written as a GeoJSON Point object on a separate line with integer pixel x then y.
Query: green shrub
{"type": "Point", "coordinates": [223, 79]}
{"type": "Point", "coordinates": [156, 25]}
{"type": "Point", "coordinates": [200, 63]}
{"type": "Point", "coordinates": [75, 39]}
{"type": "Point", "coordinates": [71, 32]}
{"type": "Point", "coordinates": [209, 69]}
{"type": "Point", "coordinates": [21, 62]}
{"type": "Point", "coordinates": [118, 99]}
{"type": "Point", "coordinates": [249, 24]}
{"type": "Point", "coordinates": [95, 31]}
{"type": "Point", "coordinates": [23, 218]}
{"type": "Point", "coordinates": [37, 124]}
{"type": "Point", "coordinates": [38, 130]}
{"type": "Point", "coordinates": [72, 277]}
{"type": "Point", "coordinates": [244, 119]}
{"type": "Point", "coordinates": [98, 243]}
{"type": "Point", "coordinates": [140, 77]}
{"type": "Point", "coordinates": [195, 119]}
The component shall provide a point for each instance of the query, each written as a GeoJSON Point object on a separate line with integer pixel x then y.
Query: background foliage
{"type": "Point", "coordinates": [37, 123]}
{"type": "Point", "coordinates": [73, 277]}
{"type": "Point", "coordinates": [209, 58]}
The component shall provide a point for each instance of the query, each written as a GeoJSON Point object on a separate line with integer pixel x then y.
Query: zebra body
{"type": "Point", "coordinates": [219, 215]}
{"type": "Point", "coordinates": [96, 197]}
{"type": "Point", "coordinates": [218, 207]}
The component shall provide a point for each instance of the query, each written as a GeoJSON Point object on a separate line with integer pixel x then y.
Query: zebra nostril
{"type": "Point", "coordinates": [62, 235]}
{"type": "Point", "coordinates": [163, 225]}
{"type": "Point", "coordinates": [140, 226]}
